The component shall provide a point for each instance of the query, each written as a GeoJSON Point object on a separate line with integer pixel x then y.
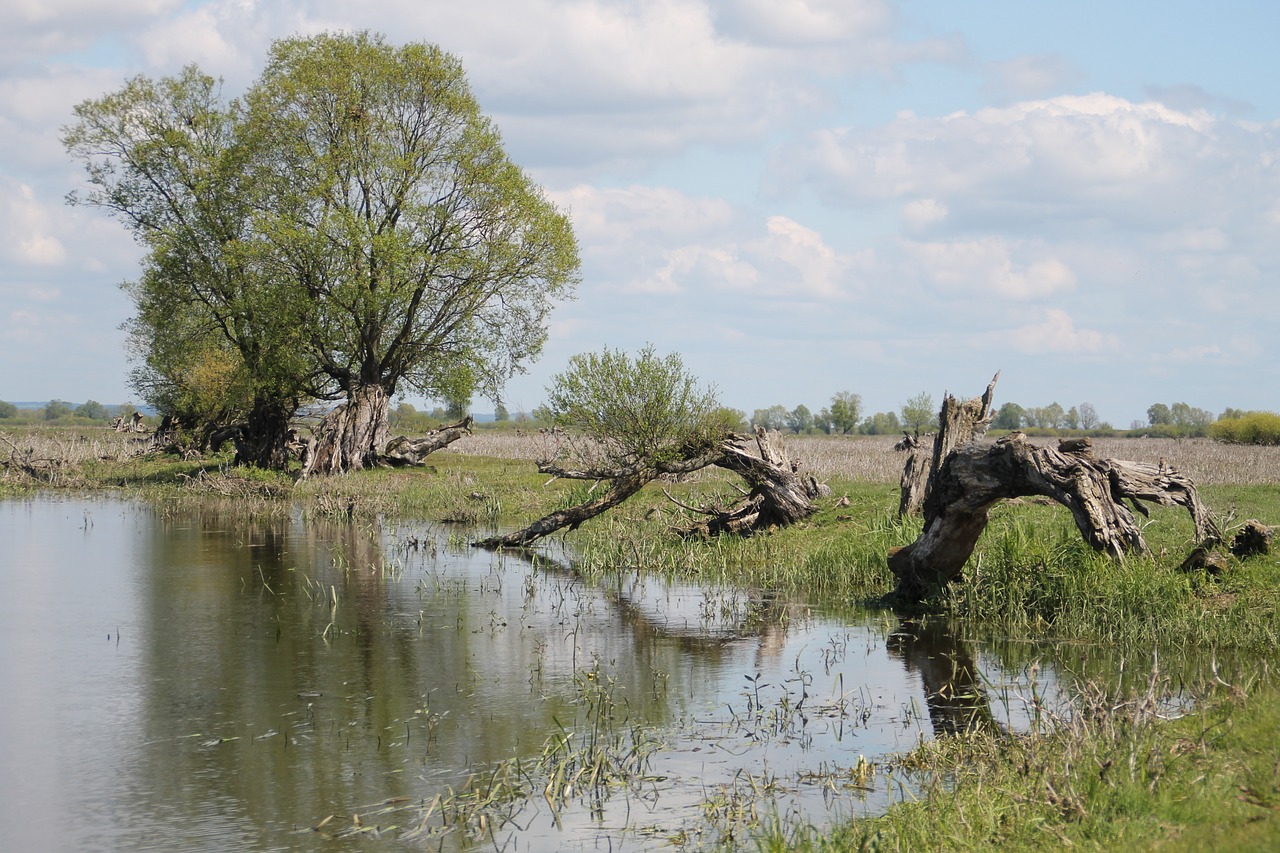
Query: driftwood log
{"type": "Point", "coordinates": [402, 451]}
{"type": "Point", "coordinates": [971, 477]}
{"type": "Point", "coordinates": [778, 494]}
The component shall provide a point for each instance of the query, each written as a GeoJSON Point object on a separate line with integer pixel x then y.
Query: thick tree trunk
{"type": "Point", "coordinates": [264, 438]}
{"type": "Point", "coordinates": [975, 476]}
{"type": "Point", "coordinates": [958, 424]}
{"type": "Point", "coordinates": [352, 436]}
{"type": "Point", "coordinates": [411, 451]}
{"type": "Point", "coordinates": [779, 495]}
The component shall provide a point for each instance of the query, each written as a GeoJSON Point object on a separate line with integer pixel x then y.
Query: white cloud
{"type": "Point", "coordinates": [1072, 158]}
{"type": "Point", "coordinates": [35, 29]}
{"type": "Point", "coordinates": [805, 22]}
{"type": "Point", "coordinates": [1029, 77]}
{"type": "Point", "coordinates": [26, 228]}
{"type": "Point", "coordinates": [1055, 333]}
{"type": "Point", "coordinates": [659, 240]}
{"type": "Point", "coordinates": [921, 213]}
{"type": "Point", "coordinates": [985, 267]}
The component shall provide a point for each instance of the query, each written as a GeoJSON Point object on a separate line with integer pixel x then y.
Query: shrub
{"type": "Point", "coordinates": [1248, 428]}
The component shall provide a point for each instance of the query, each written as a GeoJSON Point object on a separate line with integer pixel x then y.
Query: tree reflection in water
{"type": "Point", "coordinates": [952, 685]}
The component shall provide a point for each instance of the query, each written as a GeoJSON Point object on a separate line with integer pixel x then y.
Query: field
{"type": "Point", "coordinates": [1115, 774]}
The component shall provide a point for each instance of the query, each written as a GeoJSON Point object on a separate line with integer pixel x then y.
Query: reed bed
{"type": "Point", "coordinates": [873, 459]}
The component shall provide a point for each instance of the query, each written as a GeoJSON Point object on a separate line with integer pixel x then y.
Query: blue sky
{"type": "Point", "coordinates": [799, 196]}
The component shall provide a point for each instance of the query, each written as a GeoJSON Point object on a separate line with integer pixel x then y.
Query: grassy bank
{"type": "Point", "coordinates": [1115, 775]}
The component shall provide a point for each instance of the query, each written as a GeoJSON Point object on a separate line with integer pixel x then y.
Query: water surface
{"type": "Point", "coordinates": [200, 679]}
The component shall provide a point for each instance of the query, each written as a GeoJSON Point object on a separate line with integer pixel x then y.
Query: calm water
{"type": "Point", "coordinates": [201, 680]}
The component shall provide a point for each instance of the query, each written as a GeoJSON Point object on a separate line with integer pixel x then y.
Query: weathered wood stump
{"type": "Point", "coordinates": [779, 495]}
{"type": "Point", "coordinates": [971, 477]}
{"type": "Point", "coordinates": [958, 423]}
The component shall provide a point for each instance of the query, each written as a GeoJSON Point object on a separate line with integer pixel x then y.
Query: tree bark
{"type": "Point", "coordinates": [620, 488]}
{"type": "Point", "coordinates": [975, 476]}
{"type": "Point", "coordinates": [401, 451]}
{"type": "Point", "coordinates": [262, 441]}
{"type": "Point", "coordinates": [780, 496]}
{"type": "Point", "coordinates": [958, 424]}
{"type": "Point", "coordinates": [352, 436]}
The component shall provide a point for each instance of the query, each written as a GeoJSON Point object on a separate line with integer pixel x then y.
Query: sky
{"type": "Point", "coordinates": [798, 196]}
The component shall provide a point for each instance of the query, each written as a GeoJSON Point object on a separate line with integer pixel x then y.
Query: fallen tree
{"type": "Point", "coordinates": [778, 494]}
{"type": "Point", "coordinates": [969, 478]}
{"type": "Point", "coordinates": [628, 421]}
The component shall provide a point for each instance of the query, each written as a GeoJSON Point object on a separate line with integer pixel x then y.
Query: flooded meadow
{"type": "Point", "coordinates": [205, 677]}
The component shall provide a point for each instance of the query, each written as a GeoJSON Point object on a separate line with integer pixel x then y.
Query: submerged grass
{"type": "Point", "coordinates": [1114, 774]}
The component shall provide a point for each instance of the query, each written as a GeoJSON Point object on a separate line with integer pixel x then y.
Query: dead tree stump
{"type": "Point", "coordinates": [779, 495]}
{"type": "Point", "coordinates": [958, 423]}
{"type": "Point", "coordinates": [975, 476]}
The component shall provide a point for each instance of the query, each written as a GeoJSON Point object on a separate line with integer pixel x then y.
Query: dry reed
{"type": "Point", "coordinates": [873, 459]}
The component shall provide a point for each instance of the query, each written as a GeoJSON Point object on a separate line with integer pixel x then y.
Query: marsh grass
{"type": "Point", "coordinates": [1111, 773]}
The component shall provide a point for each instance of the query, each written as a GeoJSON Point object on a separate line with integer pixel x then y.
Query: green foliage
{"type": "Point", "coordinates": [641, 411]}
{"type": "Point", "coordinates": [774, 417]}
{"type": "Point", "coordinates": [882, 423]}
{"type": "Point", "coordinates": [54, 410]}
{"type": "Point", "coordinates": [1247, 428]}
{"type": "Point", "coordinates": [8, 410]}
{"type": "Point", "coordinates": [800, 419]}
{"type": "Point", "coordinates": [845, 412]}
{"type": "Point", "coordinates": [353, 221]}
{"type": "Point", "coordinates": [93, 410]}
{"type": "Point", "coordinates": [1180, 419]}
{"type": "Point", "coordinates": [919, 414]}
{"type": "Point", "coordinates": [1010, 416]}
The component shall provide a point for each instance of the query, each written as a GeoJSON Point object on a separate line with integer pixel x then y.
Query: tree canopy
{"type": "Point", "coordinates": [350, 227]}
{"type": "Point", "coordinates": [640, 411]}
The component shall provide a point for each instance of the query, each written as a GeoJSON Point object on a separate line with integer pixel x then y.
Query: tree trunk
{"type": "Point", "coordinates": [352, 436]}
{"type": "Point", "coordinates": [975, 476]}
{"type": "Point", "coordinates": [779, 495]}
{"type": "Point", "coordinates": [958, 424]}
{"type": "Point", "coordinates": [411, 451]}
{"type": "Point", "coordinates": [263, 439]}
{"type": "Point", "coordinates": [620, 488]}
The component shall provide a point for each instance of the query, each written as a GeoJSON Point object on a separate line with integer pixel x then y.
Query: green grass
{"type": "Point", "coordinates": [1114, 776]}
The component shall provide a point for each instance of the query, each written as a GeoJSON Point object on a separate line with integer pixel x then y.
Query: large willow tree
{"type": "Point", "coordinates": [370, 231]}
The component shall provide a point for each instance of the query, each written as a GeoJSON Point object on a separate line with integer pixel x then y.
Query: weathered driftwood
{"type": "Point", "coordinates": [778, 494]}
{"type": "Point", "coordinates": [401, 451]}
{"type": "Point", "coordinates": [958, 424]}
{"type": "Point", "coordinates": [976, 475]}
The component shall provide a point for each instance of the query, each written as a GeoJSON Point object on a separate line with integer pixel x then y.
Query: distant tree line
{"type": "Point", "coordinates": [59, 410]}
{"type": "Point", "coordinates": [1178, 420]}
